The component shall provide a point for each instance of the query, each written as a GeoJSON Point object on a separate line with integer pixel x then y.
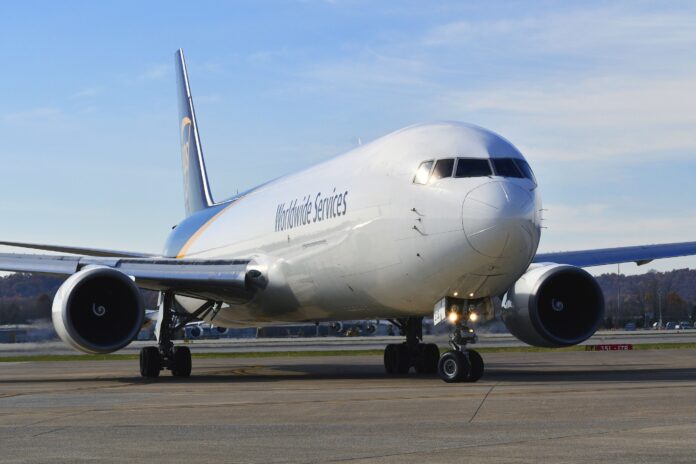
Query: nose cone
{"type": "Point", "coordinates": [500, 221]}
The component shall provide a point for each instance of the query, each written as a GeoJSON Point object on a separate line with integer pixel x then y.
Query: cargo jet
{"type": "Point", "coordinates": [434, 220]}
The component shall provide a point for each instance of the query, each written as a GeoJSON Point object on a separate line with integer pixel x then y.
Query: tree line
{"type": "Point", "coordinates": [637, 298]}
{"type": "Point", "coordinates": [644, 299]}
{"type": "Point", "coordinates": [27, 298]}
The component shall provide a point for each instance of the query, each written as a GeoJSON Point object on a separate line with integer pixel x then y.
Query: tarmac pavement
{"type": "Point", "coordinates": [576, 407]}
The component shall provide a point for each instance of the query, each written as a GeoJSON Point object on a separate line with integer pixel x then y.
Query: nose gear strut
{"type": "Point", "coordinates": [460, 364]}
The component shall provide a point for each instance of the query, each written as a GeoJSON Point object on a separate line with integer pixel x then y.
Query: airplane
{"type": "Point", "coordinates": [435, 219]}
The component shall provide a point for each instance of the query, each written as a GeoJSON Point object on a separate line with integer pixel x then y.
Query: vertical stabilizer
{"type": "Point", "coordinates": [196, 187]}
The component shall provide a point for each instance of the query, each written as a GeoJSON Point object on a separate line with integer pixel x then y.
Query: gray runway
{"type": "Point", "coordinates": [579, 407]}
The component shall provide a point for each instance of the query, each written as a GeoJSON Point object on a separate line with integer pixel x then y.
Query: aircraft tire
{"type": "Point", "coordinates": [453, 366]}
{"type": "Point", "coordinates": [403, 363]}
{"type": "Point", "coordinates": [396, 359]}
{"type": "Point", "coordinates": [390, 358]}
{"type": "Point", "coordinates": [428, 357]}
{"type": "Point", "coordinates": [150, 362]}
{"type": "Point", "coordinates": [431, 358]}
{"type": "Point", "coordinates": [181, 361]}
{"type": "Point", "coordinates": [477, 366]}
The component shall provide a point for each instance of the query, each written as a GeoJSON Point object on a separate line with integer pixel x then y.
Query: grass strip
{"type": "Point", "coordinates": [292, 354]}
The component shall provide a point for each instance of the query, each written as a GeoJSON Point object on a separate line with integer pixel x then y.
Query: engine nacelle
{"type": "Point", "coordinates": [219, 331]}
{"type": "Point", "coordinates": [195, 331]}
{"type": "Point", "coordinates": [98, 310]}
{"type": "Point", "coordinates": [554, 305]}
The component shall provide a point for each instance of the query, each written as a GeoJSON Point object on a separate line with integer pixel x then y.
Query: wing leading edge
{"type": "Point", "coordinates": [638, 254]}
{"type": "Point", "coordinates": [206, 279]}
{"type": "Point", "coordinates": [79, 250]}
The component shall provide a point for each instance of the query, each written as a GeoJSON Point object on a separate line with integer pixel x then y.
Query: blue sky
{"type": "Point", "coordinates": [600, 96]}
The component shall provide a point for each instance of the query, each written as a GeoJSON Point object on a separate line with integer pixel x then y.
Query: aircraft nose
{"type": "Point", "coordinates": [499, 220]}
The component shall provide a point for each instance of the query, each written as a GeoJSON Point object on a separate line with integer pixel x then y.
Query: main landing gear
{"type": "Point", "coordinates": [423, 357]}
{"type": "Point", "coordinates": [460, 364]}
{"type": "Point", "coordinates": [177, 359]}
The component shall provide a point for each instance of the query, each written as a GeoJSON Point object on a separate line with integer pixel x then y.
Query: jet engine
{"type": "Point", "coordinates": [554, 305]}
{"type": "Point", "coordinates": [195, 331]}
{"type": "Point", "coordinates": [219, 331]}
{"type": "Point", "coordinates": [98, 310]}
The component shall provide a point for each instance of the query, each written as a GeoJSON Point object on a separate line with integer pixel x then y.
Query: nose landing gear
{"type": "Point", "coordinates": [460, 364]}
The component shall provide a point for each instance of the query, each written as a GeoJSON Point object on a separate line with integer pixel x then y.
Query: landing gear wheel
{"type": "Point", "coordinates": [390, 359]}
{"type": "Point", "coordinates": [431, 353]}
{"type": "Point", "coordinates": [476, 363]}
{"type": "Point", "coordinates": [150, 362]}
{"type": "Point", "coordinates": [396, 359]}
{"type": "Point", "coordinates": [428, 359]}
{"type": "Point", "coordinates": [453, 367]}
{"type": "Point", "coordinates": [181, 361]}
{"type": "Point", "coordinates": [403, 363]}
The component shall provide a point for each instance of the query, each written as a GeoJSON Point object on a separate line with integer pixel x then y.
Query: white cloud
{"type": "Point", "coordinates": [88, 92]}
{"type": "Point", "coordinates": [605, 101]}
{"type": "Point", "coordinates": [581, 84]}
{"type": "Point", "coordinates": [156, 72]}
{"type": "Point", "coordinates": [592, 118]}
{"type": "Point", "coordinates": [595, 31]}
{"type": "Point", "coordinates": [602, 225]}
{"type": "Point", "coordinates": [34, 115]}
{"type": "Point", "coordinates": [597, 82]}
{"type": "Point", "coordinates": [372, 70]}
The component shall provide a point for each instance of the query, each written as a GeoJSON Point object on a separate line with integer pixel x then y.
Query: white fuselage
{"type": "Point", "coordinates": [354, 237]}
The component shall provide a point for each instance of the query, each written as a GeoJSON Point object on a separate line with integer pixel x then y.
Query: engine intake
{"type": "Point", "coordinates": [98, 310]}
{"type": "Point", "coordinates": [553, 306]}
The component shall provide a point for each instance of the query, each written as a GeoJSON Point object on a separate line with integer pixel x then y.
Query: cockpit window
{"type": "Point", "coordinates": [526, 169]}
{"type": "Point", "coordinates": [423, 172]}
{"type": "Point", "coordinates": [506, 167]}
{"type": "Point", "coordinates": [433, 170]}
{"type": "Point", "coordinates": [471, 167]}
{"type": "Point", "coordinates": [443, 168]}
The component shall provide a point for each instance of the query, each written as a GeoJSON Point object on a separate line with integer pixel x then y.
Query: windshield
{"type": "Point", "coordinates": [471, 167]}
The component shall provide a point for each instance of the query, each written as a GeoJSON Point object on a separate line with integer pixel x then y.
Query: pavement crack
{"type": "Point", "coordinates": [485, 397]}
{"type": "Point", "coordinates": [49, 431]}
{"type": "Point", "coordinates": [57, 416]}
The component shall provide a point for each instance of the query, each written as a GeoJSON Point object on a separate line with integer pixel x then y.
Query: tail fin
{"type": "Point", "coordinates": [196, 189]}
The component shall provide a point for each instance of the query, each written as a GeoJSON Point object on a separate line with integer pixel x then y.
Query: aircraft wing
{"type": "Point", "coordinates": [639, 254]}
{"type": "Point", "coordinates": [198, 278]}
{"type": "Point", "coordinates": [79, 250]}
